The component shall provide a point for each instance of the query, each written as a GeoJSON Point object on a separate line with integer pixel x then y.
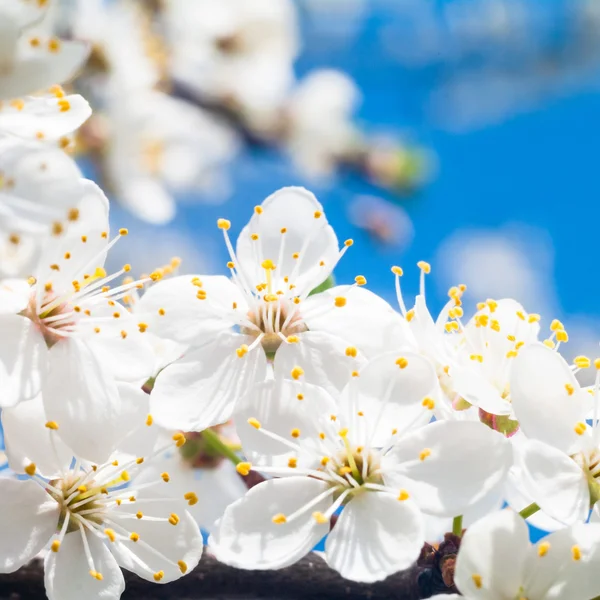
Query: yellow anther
{"type": "Point", "coordinates": [300, 396]}
{"type": "Point", "coordinates": [482, 320]}
{"type": "Point", "coordinates": [344, 471]}
{"type": "Point", "coordinates": [201, 295]}
{"type": "Point", "coordinates": [570, 389]}
{"type": "Point", "coordinates": [296, 300]}
{"type": "Point", "coordinates": [521, 315]}
{"type": "Point", "coordinates": [583, 362]}
{"type": "Point", "coordinates": [296, 255]}
{"type": "Point", "coordinates": [191, 498]}
{"type": "Point", "coordinates": [424, 453]}
{"type": "Point", "coordinates": [297, 372]}
{"type": "Point", "coordinates": [125, 476]}
{"type": "Point", "coordinates": [34, 42]}
{"type": "Point", "coordinates": [332, 417]}
{"type": "Point", "coordinates": [134, 537]}
{"type": "Point", "coordinates": [348, 243]}
{"type": "Point", "coordinates": [123, 333]}
{"type": "Point", "coordinates": [52, 425]}
{"type": "Point", "coordinates": [318, 214]}
{"type": "Point", "coordinates": [139, 514]}
{"type": "Point", "coordinates": [580, 428]}
{"type": "Point", "coordinates": [402, 362]}
{"type": "Point", "coordinates": [351, 351]}
{"type": "Point", "coordinates": [321, 264]}
{"type": "Point", "coordinates": [118, 501]}
{"type": "Point", "coordinates": [254, 423]}
{"type": "Point", "coordinates": [320, 518]}
{"type": "Point", "coordinates": [325, 460]}
{"type": "Point", "coordinates": [424, 266]}
{"type": "Point", "coordinates": [410, 315]}
{"type": "Point", "coordinates": [223, 224]}
{"type": "Point", "coordinates": [477, 357]}
{"type": "Point", "coordinates": [549, 343]}
{"type": "Point", "coordinates": [104, 490]}
{"type": "Point", "coordinates": [597, 363]}
{"type": "Point", "coordinates": [292, 339]}
{"type": "Point", "coordinates": [165, 477]}
{"type": "Point", "coordinates": [242, 350]}
{"type": "Point", "coordinates": [179, 439]}
{"type": "Point", "coordinates": [258, 210]}
{"type": "Point", "coordinates": [230, 265]}
{"type": "Point", "coordinates": [110, 534]}
{"type": "Point", "coordinates": [556, 325]}
{"type": "Point", "coordinates": [174, 519]}
{"type": "Point", "coordinates": [533, 318]}
{"type": "Point", "coordinates": [55, 547]}
{"type": "Point", "coordinates": [254, 236]}
{"type": "Point", "coordinates": [139, 461]}
{"type": "Point", "coordinates": [283, 230]}
{"type": "Point", "coordinates": [82, 489]}
{"type": "Point", "coordinates": [142, 327]}
{"type": "Point", "coordinates": [360, 280]}
{"type": "Point", "coordinates": [477, 580]}
{"type": "Point", "coordinates": [127, 268]}
{"type": "Point", "coordinates": [397, 271]}
{"type": "Point", "coordinates": [243, 468]}
{"type": "Point", "coordinates": [355, 373]}
{"type": "Point", "coordinates": [279, 519]}
{"type": "Point", "coordinates": [322, 436]}
{"type": "Point", "coordinates": [343, 432]}
{"type": "Point", "coordinates": [149, 420]}
{"type": "Point", "coordinates": [340, 301]}
{"type": "Point", "coordinates": [562, 336]}
{"type": "Point", "coordinates": [295, 433]}
{"type": "Point", "coordinates": [30, 469]}
{"type": "Point", "coordinates": [123, 231]}
{"type": "Point", "coordinates": [576, 552]}
{"type": "Point", "coordinates": [268, 265]}
{"type": "Point", "coordinates": [96, 575]}
{"type": "Point", "coordinates": [543, 548]}
{"type": "Point", "coordinates": [451, 326]}
{"type": "Point", "coordinates": [159, 575]}
{"type": "Point", "coordinates": [404, 495]}
{"type": "Point", "coordinates": [495, 325]}
{"type": "Point", "coordinates": [512, 354]}
{"type": "Point", "coordinates": [53, 45]}
{"type": "Point", "coordinates": [131, 498]}
{"type": "Point", "coordinates": [394, 431]}
{"type": "Point", "coordinates": [492, 304]}
{"type": "Point", "coordinates": [292, 463]}
{"type": "Point", "coordinates": [428, 403]}
{"type": "Point", "coordinates": [182, 566]}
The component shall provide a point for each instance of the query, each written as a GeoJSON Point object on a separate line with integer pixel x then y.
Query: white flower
{"type": "Point", "coordinates": [320, 128]}
{"type": "Point", "coordinates": [159, 145]}
{"type": "Point", "coordinates": [286, 250]}
{"type": "Point", "coordinates": [473, 361]}
{"type": "Point", "coordinates": [216, 485]}
{"type": "Point", "coordinates": [560, 460]}
{"type": "Point", "coordinates": [72, 340]}
{"type": "Point", "coordinates": [239, 51]}
{"type": "Point", "coordinates": [93, 526]}
{"type": "Point", "coordinates": [496, 560]}
{"type": "Point", "coordinates": [361, 455]}
{"type": "Point", "coordinates": [30, 63]}
{"type": "Point", "coordinates": [40, 189]}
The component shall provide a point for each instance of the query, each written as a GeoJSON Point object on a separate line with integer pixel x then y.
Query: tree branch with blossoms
{"type": "Point", "coordinates": [268, 407]}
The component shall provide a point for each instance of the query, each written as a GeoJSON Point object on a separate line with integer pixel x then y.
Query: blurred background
{"type": "Point", "coordinates": [461, 132]}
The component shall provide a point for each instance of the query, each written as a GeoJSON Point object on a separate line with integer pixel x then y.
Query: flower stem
{"type": "Point", "coordinates": [214, 442]}
{"type": "Point", "coordinates": [457, 525]}
{"type": "Point", "coordinates": [529, 510]}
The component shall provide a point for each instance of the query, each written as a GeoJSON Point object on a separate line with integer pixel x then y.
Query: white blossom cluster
{"type": "Point", "coordinates": [378, 428]}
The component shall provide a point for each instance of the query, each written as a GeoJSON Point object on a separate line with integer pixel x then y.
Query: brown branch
{"type": "Point", "coordinates": [310, 578]}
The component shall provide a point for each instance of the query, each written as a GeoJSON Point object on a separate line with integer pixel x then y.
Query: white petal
{"type": "Point", "coordinates": [557, 575]}
{"type": "Point", "coordinates": [81, 396]}
{"type": "Point", "coordinates": [14, 295]}
{"type": "Point", "coordinates": [216, 488]}
{"type": "Point", "coordinates": [28, 440]}
{"type": "Point", "coordinates": [28, 518]}
{"type": "Point", "coordinates": [67, 572]}
{"type": "Point", "coordinates": [187, 319]}
{"type": "Point", "coordinates": [542, 403]}
{"type": "Point", "coordinates": [181, 542]}
{"type": "Point", "coordinates": [390, 397]}
{"type": "Point", "coordinates": [292, 208]}
{"type": "Point", "coordinates": [474, 387]}
{"type": "Point", "coordinates": [23, 359]}
{"type": "Point", "coordinates": [555, 482]}
{"type": "Point", "coordinates": [276, 406]}
{"type": "Point", "coordinates": [322, 357]}
{"type": "Point", "coordinates": [376, 535]}
{"type": "Point", "coordinates": [129, 355]}
{"type": "Point", "coordinates": [201, 389]}
{"type": "Point", "coordinates": [494, 549]}
{"type": "Point", "coordinates": [84, 256]}
{"type": "Point", "coordinates": [43, 118]}
{"type": "Point", "coordinates": [365, 321]}
{"type": "Point", "coordinates": [246, 536]}
{"type": "Point", "coordinates": [35, 69]}
{"type": "Point", "coordinates": [466, 462]}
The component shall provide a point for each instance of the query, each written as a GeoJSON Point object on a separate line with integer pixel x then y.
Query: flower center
{"type": "Point", "coordinates": [589, 461]}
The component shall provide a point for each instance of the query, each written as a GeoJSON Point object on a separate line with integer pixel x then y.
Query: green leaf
{"type": "Point", "coordinates": [326, 285]}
